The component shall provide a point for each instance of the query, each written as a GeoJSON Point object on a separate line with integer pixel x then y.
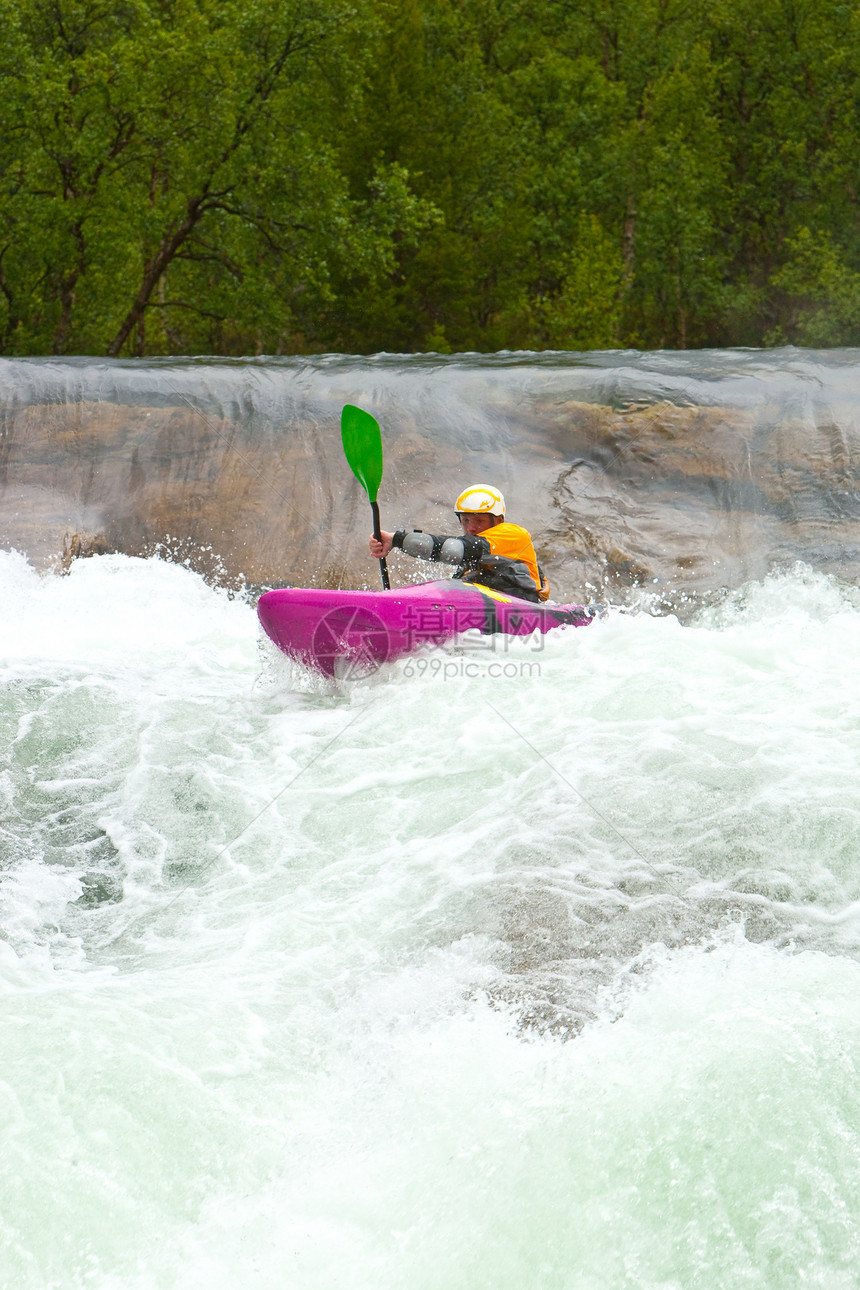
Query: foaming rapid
{"type": "Point", "coordinates": [523, 968]}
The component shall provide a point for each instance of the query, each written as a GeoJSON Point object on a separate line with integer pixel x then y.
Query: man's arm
{"type": "Point", "coordinates": [470, 551]}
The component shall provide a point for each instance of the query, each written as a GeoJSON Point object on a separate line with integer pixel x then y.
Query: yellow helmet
{"type": "Point", "coordinates": [480, 499]}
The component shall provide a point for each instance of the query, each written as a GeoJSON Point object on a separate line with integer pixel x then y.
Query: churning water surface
{"type": "Point", "coordinates": [536, 969]}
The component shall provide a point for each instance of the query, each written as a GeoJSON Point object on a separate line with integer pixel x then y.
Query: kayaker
{"type": "Point", "coordinates": [489, 551]}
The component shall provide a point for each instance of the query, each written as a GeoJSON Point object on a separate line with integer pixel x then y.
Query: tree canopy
{"type": "Point", "coordinates": [289, 176]}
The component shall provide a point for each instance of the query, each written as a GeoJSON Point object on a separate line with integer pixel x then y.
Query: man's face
{"type": "Point", "coordinates": [476, 523]}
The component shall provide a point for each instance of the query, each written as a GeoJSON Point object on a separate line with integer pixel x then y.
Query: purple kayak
{"type": "Point", "coordinates": [360, 630]}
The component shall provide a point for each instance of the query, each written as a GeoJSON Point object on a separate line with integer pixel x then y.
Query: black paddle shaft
{"type": "Point", "coordinates": [383, 567]}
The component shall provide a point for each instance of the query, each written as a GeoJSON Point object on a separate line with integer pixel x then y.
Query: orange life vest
{"type": "Point", "coordinates": [516, 544]}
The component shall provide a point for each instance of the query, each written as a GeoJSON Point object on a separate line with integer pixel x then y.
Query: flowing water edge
{"type": "Point", "coordinates": [693, 472]}
{"type": "Point", "coordinates": [536, 968]}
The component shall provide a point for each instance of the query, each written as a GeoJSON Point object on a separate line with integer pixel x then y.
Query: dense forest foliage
{"type": "Point", "coordinates": [293, 176]}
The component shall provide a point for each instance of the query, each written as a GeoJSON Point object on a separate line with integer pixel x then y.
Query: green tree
{"type": "Point", "coordinates": [818, 295]}
{"type": "Point", "coordinates": [787, 91]}
{"type": "Point", "coordinates": [288, 175]}
{"type": "Point", "coordinates": [167, 182]}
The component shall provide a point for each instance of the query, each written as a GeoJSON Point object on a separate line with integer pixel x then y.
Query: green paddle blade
{"type": "Point", "coordinates": [362, 444]}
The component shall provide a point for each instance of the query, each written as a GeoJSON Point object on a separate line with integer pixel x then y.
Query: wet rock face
{"type": "Point", "coordinates": [81, 478]}
{"type": "Point", "coordinates": [239, 470]}
{"type": "Point", "coordinates": [703, 498]}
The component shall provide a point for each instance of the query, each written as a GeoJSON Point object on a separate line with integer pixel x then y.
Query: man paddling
{"type": "Point", "coordinates": [490, 551]}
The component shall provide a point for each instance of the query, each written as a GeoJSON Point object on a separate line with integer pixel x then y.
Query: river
{"type": "Point", "coordinates": [515, 967]}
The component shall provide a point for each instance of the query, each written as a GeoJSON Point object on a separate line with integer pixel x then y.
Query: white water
{"type": "Point", "coordinates": [451, 980]}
